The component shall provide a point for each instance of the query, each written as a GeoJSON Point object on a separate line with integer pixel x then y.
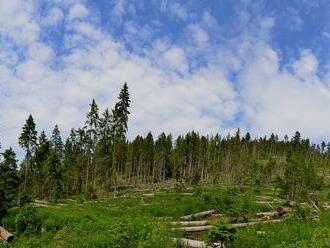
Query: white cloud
{"type": "Point", "coordinates": [167, 93]}
{"type": "Point", "coordinates": [282, 102]}
{"type": "Point", "coordinates": [174, 9]}
{"type": "Point", "coordinates": [199, 35]}
{"type": "Point", "coordinates": [77, 11]}
{"type": "Point", "coordinates": [175, 59]}
{"type": "Point", "coordinates": [326, 34]}
{"type": "Point", "coordinates": [54, 16]}
{"type": "Point", "coordinates": [306, 67]}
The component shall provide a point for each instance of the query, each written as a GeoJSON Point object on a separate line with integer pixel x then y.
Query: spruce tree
{"type": "Point", "coordinates": [92, 124]}
{"type": "Point", "coordinates": [8, 176]}
{"type": "Point", "coordinates": [28, 141]}
{"type": "Point", "coordinates": [56, 142]}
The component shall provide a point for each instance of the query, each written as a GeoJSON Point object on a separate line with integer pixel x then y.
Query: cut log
{"type": "Point", "coordinates": [282, 211]}
{"type": "Point", "coordinates": [198, 215]}
{"type": "Point", "coordinates": [194, 228]}
{"type": "Point", "coordinates": [191, 243]}
{"type": "Point", "coordinates": [5, 235]}
{"type": "Point", "coordinates": [264, 214]}
{"type": "Point", "coordinates": [190, 223]}
{"type": "Point", "coordinates": [238, 225]}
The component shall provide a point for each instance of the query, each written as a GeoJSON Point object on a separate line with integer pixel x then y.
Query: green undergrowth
{"type": "Point", "coordinates": [137, 220]}
{"type": "Point", "coordinates": [292, 233]}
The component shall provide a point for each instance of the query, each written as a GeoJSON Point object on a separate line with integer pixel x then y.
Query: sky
{"type": "Point", "coordinates": [209, 66]}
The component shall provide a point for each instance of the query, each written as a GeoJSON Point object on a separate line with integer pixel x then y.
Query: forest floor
{"type": "Point", "coordinates": [145, 219]}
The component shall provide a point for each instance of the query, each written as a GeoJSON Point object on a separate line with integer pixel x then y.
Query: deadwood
{"type": "Point", "coordinates": [191, 243]}
{"type": "Point", "coordinates": [5, 235]}
{"type": "Point", "coordinates": [190, 223]}
{"type": "Point", "coordinates": [198, 215]}
{"type": "Point", "coordinates": [194, 228]}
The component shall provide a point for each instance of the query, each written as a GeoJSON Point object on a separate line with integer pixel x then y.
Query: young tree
{"type": "Point", "coordinates": [28, 141]}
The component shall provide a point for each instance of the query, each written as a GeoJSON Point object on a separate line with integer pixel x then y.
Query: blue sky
{"type": "Point", "coordinates": [209, 66]}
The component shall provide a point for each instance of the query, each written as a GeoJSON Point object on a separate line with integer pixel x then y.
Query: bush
{"type": "Point", "coordinates": [221, 233]}
{"type": "Point", "coordinates": [301, 213]}
{"type": "Point", "coordinates": [27, 221]}
{"type": "Point", "coordinates": [56, 193]}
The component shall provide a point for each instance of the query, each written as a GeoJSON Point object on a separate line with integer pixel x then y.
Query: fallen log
{"type": "Point", "coordinates": [190, 223]}
{"type": "Point", "coordinates": [264, 214]}
{"type": "Point", "coordinates": [194, 228]}
{"type": "Point", "coordinates": [198, 215]}
{"type": "Point", "coordinates": [238, 225]}
{"type": "Point", "coordinates": [282, 211]}
{"type": "Point", "coordinates": [5, 235]}
{"type": "Point", "coordinates": [191, 243]}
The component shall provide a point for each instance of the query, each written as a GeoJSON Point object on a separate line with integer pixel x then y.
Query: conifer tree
{"type": "Point", "coordinates": [28, 141]}
{"type": "Point", "coordinates": [8, 176]}
{"type": "Point", "coordinates": [92, 123]}
{"type": "Point", "coordinates": [56, 142]}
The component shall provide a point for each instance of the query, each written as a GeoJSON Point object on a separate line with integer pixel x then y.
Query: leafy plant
{"type": "Point", "coordinates": [222, 234]}
{"type": "Point", "coordinates": [27, 221]}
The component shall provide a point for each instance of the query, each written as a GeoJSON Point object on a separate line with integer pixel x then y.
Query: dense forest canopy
{"type": "Point", "coordinates": [97, 158]}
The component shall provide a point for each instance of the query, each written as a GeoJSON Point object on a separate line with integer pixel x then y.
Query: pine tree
{"type": "Point", "coordinates": [28, 141]}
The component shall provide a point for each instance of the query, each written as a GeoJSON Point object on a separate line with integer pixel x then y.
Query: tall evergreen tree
{"type": "Point", "coordinates": [92, 123]}
{"type": "Point", "coordinates": [28, 141]}
{"type": "Point", "coordinates": [8, 176]}
{"type": "Point", "coordinates": [56, 142]}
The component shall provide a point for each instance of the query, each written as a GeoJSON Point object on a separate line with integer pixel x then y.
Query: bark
{"type": "Point", "coordinates": [190, 223]}
{"type": "Point", "coordinates": [198, 215]}
{"type": "Point", "coordinates": [5, 235]}
{"type": "Point", "coordinates": [194, 228]}
{"type": "Point", "coordinates": [191, 243]}
{"type": "Point", "coordinates": [238, 225]}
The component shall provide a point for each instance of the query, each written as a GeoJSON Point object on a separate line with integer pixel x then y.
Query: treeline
{"type": "Point", "coordinates": [97, 158]}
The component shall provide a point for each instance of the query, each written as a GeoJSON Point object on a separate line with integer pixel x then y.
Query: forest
{"type": "Point", "coordinates": [97, 165]}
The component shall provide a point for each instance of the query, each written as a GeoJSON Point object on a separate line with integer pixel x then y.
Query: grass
{"type": "Point", "coordinates": [132, 220]}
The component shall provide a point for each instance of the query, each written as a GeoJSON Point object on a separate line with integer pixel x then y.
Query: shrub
{"type": "Point", "coordinates": [222, 234]}
{"type": "Point", "coordinates": [301, 213]}
{"type": "Point", "coordinates": [27, 221]}
{"type": "Point", "coordinates": [56, 193]}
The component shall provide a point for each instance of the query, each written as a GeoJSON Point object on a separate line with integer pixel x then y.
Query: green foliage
{"type": "Point", "coordinates": [90, 193]}
{"type": "Point", "coordinates": [27, 221]}
{"type": "Point", "coordinates": [301, 212]}
{"type": "Point", "coordinates": [23, 199]}
{"type": "Point", "coordinates": [232, 202]}
{"type": "Point", "coordinates": [3, 204]}
{"type": "Point", "coordinates": [221, 233]}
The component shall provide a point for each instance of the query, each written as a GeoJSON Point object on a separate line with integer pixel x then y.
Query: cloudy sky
{"type": "Point", "coordinates": [209, 66]}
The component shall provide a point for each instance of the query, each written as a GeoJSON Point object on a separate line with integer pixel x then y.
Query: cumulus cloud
{"type": "Point", "coordinates": [277, 100]}
{"type": "Point", "coordinates": [77, 11]}
{"type": "Point", "coordinates": [243, 80]}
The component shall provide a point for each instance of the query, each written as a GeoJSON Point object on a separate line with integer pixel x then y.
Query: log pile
{"type": "Point", "coordinates": [5, 235]}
